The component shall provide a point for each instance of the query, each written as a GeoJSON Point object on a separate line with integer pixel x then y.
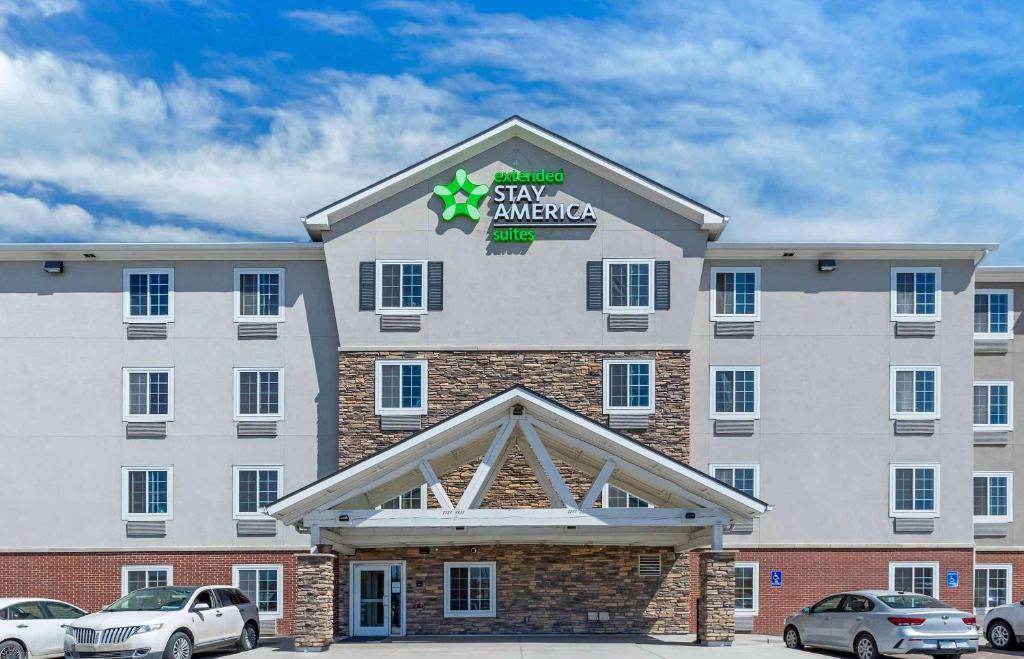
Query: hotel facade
{"type": "Point", "coordinates": [514, 388]}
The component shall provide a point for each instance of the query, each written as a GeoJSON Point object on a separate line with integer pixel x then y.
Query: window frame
{"type": "Point", "coordinates": [126, 496]}
{"type": "Point", "coordinates": [127, 296]}
{"type": "Point", "coordinates": [239, 317]}
{"type": "Point", "coordinates": [236, 501]}
{"type": "Point", "coordinates": [995, 519]}
{"type": "Point", "coordinates": [1008, 567]}
{"type": "Point", "coordinates": [1009, 404]}
{"type": "Point", "coordinates": [756, 565]}
{"type": "Point", "coordinates": [1008, 334]}
{"type": "Point", "coordinates": [606, 388]}
{"type": "Point", "coordinates": [934, 565]}
{"type": "Point", "coordinates": [378, 408]}
{"type": "Point", "coordinates": [490, 613]}
{"type": "Point", "coordinates": [755, 467]}
{"type": "Point", "coordinates": [423, 499]}
{"type": "Point", "coordinates": [933, 415]}
{"type": "Point", "coordinates": [739, 416]}
{"type": "Point", "coordinates": [378, 292]}
{"type": "Point", "coordinates": [914, 514]}
{"type": "Point", "coordinates": [606, 496]}
{"type": "Point", "coordinates": [236, 413]}
{"type": "Point", "coordinates": [125, 569]}
{"type": "Point", "coordinates": [735, 317]}
{"type": "Point", "coordinates": [236, 569]}
{"type": "Point", "coordinates": [607, 286]}
{"type": "Point", "coordinates": [126, 372]}
{"type": "Point", "coordinates": [896, 317]}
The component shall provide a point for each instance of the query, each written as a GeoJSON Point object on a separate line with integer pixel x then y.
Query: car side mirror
{"type": "Point", "coordinates": [806, 609]}
{"type": "Point", "coordinates": [200, 606]}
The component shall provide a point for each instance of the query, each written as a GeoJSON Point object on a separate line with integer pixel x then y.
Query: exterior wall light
{"type": "Point", "coordinates": [53, 267]}
{"type": "Point", "coordinates": [826, 265]}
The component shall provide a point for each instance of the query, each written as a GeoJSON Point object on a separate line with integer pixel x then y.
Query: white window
{"type": "Point", "coordinates": [147, 493]}
{"type": "Point", "coordinates": [736, 294]}
{"type": "Point", "coordinates": [741, 477]}
{"type": "Point", "coordinates": [992, 586]}
{"type": "Point", "coordinates": [628, 286]}
{"type": "Point", "coordinates": [993, 314]}
{"type": "Point", "coordinates": [134, 577]}
{"type": "Point", "coordinates": [735, 392]}
{"type": "Point", "coordinates": [400, 387]}
{"type": "Point", "coordinates": [993, 405]}
{"type": "Point", "coordinates": [401, 287]}
{"type": "Point", "coordinates": [628, 386]}
{"type": "Point", "coordinates": [259, 295]}
{"type": "Point", "coordinates": [913, 490]}
{"type": "Point", "coordinates": [911, 577]}
{"type": "Point", "coordinates": [747, 591]}
{"type": "Point", "coordinates": [914, 392]}
{"type": "Point", "coordinates": [262, 584]}
{"type": "Point", "coordinates": [616, 497]}
{"type": "Point", "coordinates": [916, 293]}
{"type": "Point", "coordinates": [148, 394]}
{"type": "Point", "coordinates": [256, 487]}
{"type": "Point", "coordinates": [259, 394]}
{"type": "Point", "coordinates": [414, 499]}
{"type": "Point", "coordinates": [470, 590]}
{"type": "Point", "coordinates": [148, 295]}
{"type": "Point", "coordinates": [993, 496]}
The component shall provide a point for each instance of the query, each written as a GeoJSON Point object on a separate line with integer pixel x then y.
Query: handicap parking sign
{"type": "Point", "coordinates": [952, 579]}
{"type": "Point", "coordinates": [776, 579]}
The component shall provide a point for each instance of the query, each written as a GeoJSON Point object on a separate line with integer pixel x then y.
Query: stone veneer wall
{"type": "Point", "coordinates": [314, 600]}
{"type": "Point", "coordinates": [716, 608]}
{"type": "Point", "coordinates": [541, 589]}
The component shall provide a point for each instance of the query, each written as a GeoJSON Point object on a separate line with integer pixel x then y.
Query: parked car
{"type": "Point", "coordinates": [31, 628]}
{"type": "Point", "coordinates": [871, 623]}
{"type": "Point", "coordinates": [170, 622]}
{"type": "Point", "coordinates": [1004, 625]}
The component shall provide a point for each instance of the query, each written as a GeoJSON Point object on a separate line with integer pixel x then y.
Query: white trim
{"type": "Point", "coordinates": [235, 499]}
{"type": "Point", "coordinates": [739, 317]}
{"type": "Point", "coordinates": [915, 316]}
{"type": "Point", "coordinates": [906, 514]}
{"type": "Point", "coordinates": [239, 318]}
{"type": "Point", "coordinates": [607, 284]}
{"type": "Point", "coordinates": [606, 390]}
{"type": "Point", "coordinates": [235, 569]}
{"type": "Point", "coordinates": [937, 413]}
{"type": "Point", "coordinates": [490, 613]}
{"type": "Point", "coordinates": [125, 569]}
{"type": "Point", "coordinates": [134, 517]}
{"type": "Point", "coordinates": [237, 415]}
{"type": "Point", "coordinates": [126, 294]}
{"type": "Point", "coordinates": [125, 415]}
{"type": "Point", "coordinates": [936, 576]}
{"type": "Point", "coordinates": [741, 416]}
{"type": "Point", "coordinates": [991, 519]}
{"type": "Point", "coordinates": [757, 588]}
{"type": "Point", "coordinates": [379, 289]}
{"type": "Point", "coordinates": [378, 408]}
{"type": "Point", "coordinates": [1008, 334]}
{"type": "Point", "coordinates": [353, 610]}
{"type": "Point", "coordinates": [755, 467]}
{"type": "Point", "coordinates": [1009, 405]}
{"type": "Point", "coordinates": [1009, 583]}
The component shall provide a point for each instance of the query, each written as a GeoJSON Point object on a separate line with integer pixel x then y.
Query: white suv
{"type": "Point", "coordinates": [170, 622]}
{"type": "Point", "coordinates": [1004, 625]}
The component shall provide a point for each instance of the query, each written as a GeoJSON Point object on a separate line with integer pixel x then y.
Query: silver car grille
{"type": "Point", "coordinates": [107, 637]}
{"type": "Point", "coordinates": [86, 636]}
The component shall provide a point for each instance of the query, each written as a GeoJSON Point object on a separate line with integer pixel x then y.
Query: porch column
{"type": "Point", "coordinates": [314, 602]}
{"type": "Point", "coordinates": [716, 608]}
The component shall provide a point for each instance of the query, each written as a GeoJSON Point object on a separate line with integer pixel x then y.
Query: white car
{"type": "Point", "coordinates": [1004, 625]}
{"type": "Point", "coordinates": [31, 628]}
{"type": "Point", "coordinates": [170, 622]}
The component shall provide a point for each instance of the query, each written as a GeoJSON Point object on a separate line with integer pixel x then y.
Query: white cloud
{"type": "Point", "coordinates": [338, 23]}
{"type": "Point", "coordinates": [35, 8]}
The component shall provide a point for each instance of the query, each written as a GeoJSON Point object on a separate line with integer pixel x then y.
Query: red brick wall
{"type": "Point", "coordinates": [91, 580]}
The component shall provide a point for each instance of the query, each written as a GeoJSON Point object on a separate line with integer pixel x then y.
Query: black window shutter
{"type": "Point", "coordinates": [435, 285]}
{"type": "Point", "coordinates": [595, 288]}
{"type": "Point", "coordinates": [661, 285]}
{"type": "Point", "coordinates": [367, 288]}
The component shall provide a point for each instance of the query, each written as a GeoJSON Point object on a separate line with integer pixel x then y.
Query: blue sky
{"type": "Point", "coordinates": [217, 120]}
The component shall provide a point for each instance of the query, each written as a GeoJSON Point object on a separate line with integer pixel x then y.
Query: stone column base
{"type": "Point", "coordinates": [716, 608]}
{"type": "Point", "coordinates": [314, 602]}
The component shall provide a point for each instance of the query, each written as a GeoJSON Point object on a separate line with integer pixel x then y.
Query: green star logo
{"type": "Point", "coordinates": [453, 207]}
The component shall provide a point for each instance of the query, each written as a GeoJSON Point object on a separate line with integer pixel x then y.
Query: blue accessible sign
{"type": "Point", "coordinates": [776, 578]}
{"type": "Point", "coordinates": [952, 579]}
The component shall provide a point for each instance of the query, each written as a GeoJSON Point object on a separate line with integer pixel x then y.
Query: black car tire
{"type": "Point", "coordinates": [865, 647]}
{"type": "Point", "coordinates": [179, 646]}
{"type": "Point", "coordinates": [792, 638]}
{"type": "Point", "coordinates": [12, 650]}
{"type": "Point", "coordinates": [1001, 638]}
{"type": "Point", "coordinates": [249, 637]}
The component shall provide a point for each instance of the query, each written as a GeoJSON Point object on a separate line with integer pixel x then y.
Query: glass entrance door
{"type": "Point", "coordinates": [378, 600]}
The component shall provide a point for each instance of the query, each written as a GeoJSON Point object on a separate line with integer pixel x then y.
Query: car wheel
{"type": "Point", "coordinates": [248, 639]}
{"type": "Point", "coordinates": [792, 638]}
{"type": "Point", "coordinates": [865, 648]}
{"type": "Point", "coordinates": [12, 650]}
{"type": "Point", "coordinates": [999, 635]}
{"type": "Point", "coordinates": [179, 646]}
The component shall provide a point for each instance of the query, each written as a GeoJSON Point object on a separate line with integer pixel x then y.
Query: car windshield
{"type": "Point", "coordinates": [153, 599]}
{"type": "Point", "coordinates": [912, 601]}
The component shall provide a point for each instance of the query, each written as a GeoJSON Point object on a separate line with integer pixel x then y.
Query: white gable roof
{"type": "Point", "coordinates": [710, 220]}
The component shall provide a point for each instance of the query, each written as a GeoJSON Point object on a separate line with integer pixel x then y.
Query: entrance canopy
{"type": "Point", "coordinates": [690, 508]}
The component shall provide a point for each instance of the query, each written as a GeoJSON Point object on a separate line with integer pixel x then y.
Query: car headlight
{"type": "Point", "coordinates": [142, 629]}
